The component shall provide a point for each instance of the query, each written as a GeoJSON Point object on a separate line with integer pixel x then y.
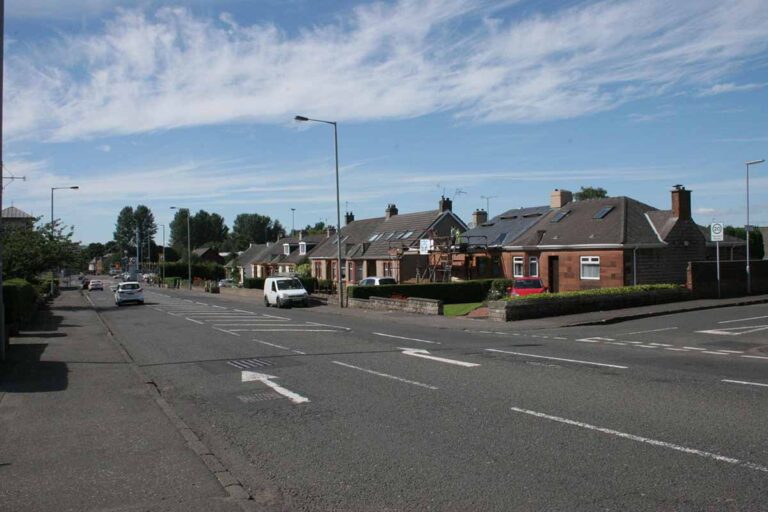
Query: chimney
{"type": "Point", "coordinates": [559, 198]}
{"type": "Point", "coordinates": [479, 217]}
{"type": "Point", "coordinates": [446, 205]}
{"type": "Point", "coordinates": [681, 203]}
{"type": "Point", "coordinates": [330, 231]}
{"type": "Point", "coordinates": [391, 211]}
{"type": "Point", "coordinates": [349, 217]}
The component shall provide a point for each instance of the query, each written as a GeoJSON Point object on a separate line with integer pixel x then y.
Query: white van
{"type": "Point", "coordinates": [284, 292]}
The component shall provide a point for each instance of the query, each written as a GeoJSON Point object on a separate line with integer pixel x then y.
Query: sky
{"type": "Point", "coordinates": [492, 103]}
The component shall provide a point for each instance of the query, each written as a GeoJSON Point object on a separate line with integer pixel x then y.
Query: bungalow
{"type": "Point", "coordinates": [388, 246]}
{"type": "Point", "coordinates": [285, 254]}
{"type": "Point", "coordinates": [245, 263]}
{"type": "Point", "coordinates": [14, 218]}
{"type": "Point", "coordinates": [208, 254]}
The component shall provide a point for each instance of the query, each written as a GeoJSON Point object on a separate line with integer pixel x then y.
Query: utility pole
{"type": "Point", "coordinates": [138, 251]}
{"type": "Point", "coordinates": [2, 62]}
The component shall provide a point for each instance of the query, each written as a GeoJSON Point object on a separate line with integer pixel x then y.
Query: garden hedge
{"type": "Point", "coordinates": [20, 301]}
{"type": "Point", "coordinates": [210, 271]}
{"type": "Point", "coordinates": [456, 292]}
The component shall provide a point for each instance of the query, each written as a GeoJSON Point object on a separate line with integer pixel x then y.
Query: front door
{"type": "Point", "coordinates": [371, 270]}
{"type": "Point", "coordinates": [358, 271]}
{"type": "Point", "coordinates": [554, 274]}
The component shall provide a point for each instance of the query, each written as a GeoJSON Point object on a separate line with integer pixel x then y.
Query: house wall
{"type": "Point", "coordinates": [611, 269]}
{"type": "Point", "coordinates": [669, 264]}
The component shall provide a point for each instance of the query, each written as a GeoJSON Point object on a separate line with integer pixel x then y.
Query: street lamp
{"type": "Point", "coordinates": [748, 227]}
{"type": "Point", "coordinates": [189, 247]}
{"type": "Point", "coordinates": [293, 228]}
{"type": "Point", "coordinates": [338, 202]}
{"type": "Point", "coordinates": [162, 269]}
{"type": "Point", "coordinates": [52, 222]}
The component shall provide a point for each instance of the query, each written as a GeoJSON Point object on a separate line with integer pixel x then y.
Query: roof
{"type": "Point", "coordinates": [250, 254]}
{"type": "Point", "coordinates": [14, 213]}
{"type": "Point", "coordinates": [504, 227]}
{"type": "Point", "coordinates": [610, 221]}
{"type": "Point", "coordinates": [353, 234]}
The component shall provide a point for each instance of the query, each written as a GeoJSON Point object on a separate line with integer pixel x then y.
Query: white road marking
{"type": "Point", "coordinates": [424, 354]}
{"type": "Point", "coordinates": [273, 316]}
{"type": "Point", "coordinates": [282, 330]}
{"type": "Point", "coordinates": [328, 325]}
{"type": "Point", "coordinates": [400, 379]}
{"type": "Point", "coordinates": [651, 330]}
{"type": "Point", "coordinates": [248, 376]}
{"type": "Point", "coordinates": [743, 319]}
{"type": "Point", "coordinates": [196, 321]}
{"type": "Point", "coordinates": [746, 383]}
{"type": "Point", "coordinates": [660, 344]}
{"type": "Point", "coordinates": [694, 348]}
{"type": "Point", "coordinates": [616, 343]}
{"type": "Point", "coordinates": [201, 303]}
{"type": "Point", "coordinates": [632, 437]}
{"type": "Point", "coordinates": [755, 357]}
{"type": "Point", "coordinates": [404, 338]}
{"type": "Point", "coordinates": [736, 331]}
{"type": "Point", "coordinates": [646, 346]}
{"type": "Point", "coordinates": [558, 338]}
{"type": "Point", "coordinates": [272, 344]}
{"type": "Point", "coordinates": [228, 332]}
{"type": "Point", "coordinates": [677, 349]}
{"type": "Point", "coordinates": [241, 311]}
{"type": "Point", "coordinates": [594, 340]}
{"type": "Point", "coordinates": [557, 358]}
{"type": "Point", "coordinates": [242, 324]}
{"type": "Point", "coordinates": [218, 307]}
{"type": "Point", "coordinates": [732, 351]}
{"type": "Point", "coordinates": [299, 352]}
{"type": "Point", "coordinates": [713, 353]}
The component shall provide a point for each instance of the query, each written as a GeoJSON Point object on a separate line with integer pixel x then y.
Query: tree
{"type": "Point", "coordinates": [756, 251]}
{"type": "Point", "coordinates": [318, 229]}
{"type": "Point", "coordinates": [178, 228]}
{"type": "Point", "coordinates": [253, 228]}
{"type": "Point", "coordinates": [30, 253]}
{"type": "Point", "coordinates": [590, 193]}
{"type": "Point", "coordinates": [208, 229]}
{"type": "Point", "coordinates": [125, 229]}
{"type": "Point", "coordinates": [94, 250]}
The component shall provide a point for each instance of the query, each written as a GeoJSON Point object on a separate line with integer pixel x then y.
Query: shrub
{"type": "Point", "coordinates": [20, 300]}
{"type": "Point", "coordinates": [450, 293]}
{"type": "Point", "coordinates": [172, 282]}
{"type": "Point", "coordinates": [43, 287]}
{"type": "Point", "coordinates": [325, 285]}
{"type": "Point", "coordinates": [254, 282]}
{"type": "Point", "coordinates": [310, 283]}
{"type": "Point", "coordinates": [623, 290]}
{"type": "Point", "coordinates": [498, 288]}
{"type": "Point", "coordinates": [202, 270]}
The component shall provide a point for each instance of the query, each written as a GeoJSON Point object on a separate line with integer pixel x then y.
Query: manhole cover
{"type": "Point", "coordinates": [246, 364]}
{"type": "Point", "coordinates": [259, 397]}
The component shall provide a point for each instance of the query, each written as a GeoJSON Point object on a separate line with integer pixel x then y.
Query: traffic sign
{"type": "Point", "coordinates": [716, 231]}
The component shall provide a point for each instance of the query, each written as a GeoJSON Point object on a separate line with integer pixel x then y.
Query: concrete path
{"type": "Point", "coordinates": [80, 430]}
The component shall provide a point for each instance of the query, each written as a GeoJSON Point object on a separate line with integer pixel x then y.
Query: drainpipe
{"type": "Point", "coordinates": [634, 266]}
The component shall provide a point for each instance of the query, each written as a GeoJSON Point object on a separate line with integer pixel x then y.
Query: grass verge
{"type": "Point", "coordinates": [460, 309]}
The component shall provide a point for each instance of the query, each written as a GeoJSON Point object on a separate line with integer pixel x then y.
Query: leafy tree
{"type": "Point", "coordinates": [178, 228]}
{"type": "Point", "coordinates": [31, 253]}
{"type": "Point", "coordinates": [756, 251]}
{"type": "Point", "coordinates": [254, 228]}
{"type": "Point", "coordinates": [145, 221]}
{"type": "Point", "coordinates": [93, 250]}
{"type": "Point", "coordinates": [125, 229]}
{"type": "Point", "coordinates": [590, 193]}
{"type": "Point", "coordinates": [208, 229]}
{"type": "Point", "coordinates": [318, 229]}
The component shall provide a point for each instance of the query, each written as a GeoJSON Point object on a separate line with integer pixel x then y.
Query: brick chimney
{"type": "Point", "coordinates": [681, 202]}
{"type": "Point", "coordinates": [445, 205]}
{"type": "Point", "coordinates": [330, 231]}
{"type": "Point", "coordinates": [391, 211]}
{"type": "Point", "coordinates": [479, 217]}
{"type": "Point", "coordinates": [559, 198]}
{"type": "Point", "coordinates": [349, 217]}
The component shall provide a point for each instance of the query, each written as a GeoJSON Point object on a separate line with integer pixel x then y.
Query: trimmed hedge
{"type": "Point", "coordinates": [253, 282]}
{"type": "Point", "coordinates": [597, 292]}
{"type": "Point", "coordinates": [172, 282]}
{"type": "Point", "coordinates": [20, 301]}
{"type": "Point", "coordinates": [211, 271]}
{"type": "Point", "coordinates": [457, 292]}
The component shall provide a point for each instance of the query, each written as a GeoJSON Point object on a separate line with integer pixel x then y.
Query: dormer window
{"type": "Point", "coordinates": [286, 249]}
{"type": "Point", "coordinates": [303, 248]}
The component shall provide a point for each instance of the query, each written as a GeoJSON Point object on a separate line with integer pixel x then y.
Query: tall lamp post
{"type": "Point", "coordinates": [293, 223]}
{"type": "Point", "coordinates": [338, 203]}
{"type": "Point", "coordinates": [189, 247]}
{"type": "Point", "coordinates": [53, 224]}
{"type": "Point", "coordinates": [748, 227]}
{"type": "Point", "coordinates": [162, 269]}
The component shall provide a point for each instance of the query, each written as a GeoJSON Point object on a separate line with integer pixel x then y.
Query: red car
{"type": "Point", "coordinates": [526, 286]}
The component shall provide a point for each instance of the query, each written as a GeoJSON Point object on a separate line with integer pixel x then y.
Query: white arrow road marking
{"type": "Point", "coordinates": [736, 331]}
{"type": "Point", "coordinates": [420, 352]}
{"type": "Point", "coordinates": [329, 325]}
{"type": "Point", "coordinates": [404, 338]}
{"type": "Point", "coordinates": [556, 358]}
{"type": "Point", "coordinates": [653, 442]}
{"type": "Point", "coordinates": [248, 376]}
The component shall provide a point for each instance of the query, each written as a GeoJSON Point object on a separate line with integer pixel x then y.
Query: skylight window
{"type": "Point", "coordinates": [405, 235]}
{"type": "Point", "coordinates": [499, 239]}
{"type": "Point", "coordinates": [374, 237]}
{"type": "Point", "coordinates": [560, 216]}
{"type": "Point", "coordinates": [602, 212]}
{"type": "Point", "coordinates": [388, 236]}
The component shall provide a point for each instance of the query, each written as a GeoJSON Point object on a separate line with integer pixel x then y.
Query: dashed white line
{"type": "Point", "coordinates": [228, 332]}
{"type": "Point", "coordinates": [196, 321]}
{"type": "Point", "coordinates": [743, 319]}
{"type": "Point", "coordinates": [557, 359]}
{"type": "Point", "coordinates": [677, 349]}
{"type": "Point", "coordinates": [299, 352]}
{"type": "Point", "coordinates": [755, 357]}
{"type": "Point", "coordinates": [328, 325]}
{"type": "Point", "coordinates": [646, 346]}
{"type": "Point", "coordinates": [694, 348]}
{"type": "Point", "coordinates": [272, 345]}
{"type": "Point", "coordinates": [652, 330]}
{"type": "Point", "coordinates": [404, 338]}
{"type": "Point", "coordinates": [632, 437]}
{"type": "Point", "coordinates": [380, 374]}
{"type": "Point", "coordinates": [219, 307]}
{"type": "Point", "coordinates": [616, 343]}
{"type": "Point", "coordinates": [746, 383]}
{"type": "Point", "coordinates": [731, 351]}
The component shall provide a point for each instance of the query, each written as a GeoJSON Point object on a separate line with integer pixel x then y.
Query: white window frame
{"type": "Point", "coordinates": [302, 248]}
{"type": "Point", "coordinates": [589, 261]}
{"type": "Point", "coordinates": [286, 249]}
{"type": "Point", "coordinates": [518, 260]}
{"type": "Point", "coordinates": [533, 263]}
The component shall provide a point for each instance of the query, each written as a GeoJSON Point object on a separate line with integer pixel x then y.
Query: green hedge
{"type": "Point", "coordinates": [253, 282]}
{"type": "Point", "coordinates": [211, 271]}
{"type": "Point", "coordinates": [172, 282]}
{"type": "Point", "coordinates": [597, 292]}
{"type": "Point", "coordinates": [457, 292]}
{"type": "Point", "coordinates": [20, 300]}
{"type": "Point", "coordinates": [43, 287]}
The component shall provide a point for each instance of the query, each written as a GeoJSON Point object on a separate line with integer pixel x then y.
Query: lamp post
{"type": "Point", "coordinates": [52, 222]}
{"type": "Point", "coordinates": [293, 224]}
{"type": "Point", "coordinates": [189, 247]}
{"type": "Point", "coordinates": [748, 227]}
{"type": "Point", "coordinates": [488, 204]}
{"type": "Point", "coordinates": [162, 269]}
{"type": "Point", "coordinates": [338, 202]}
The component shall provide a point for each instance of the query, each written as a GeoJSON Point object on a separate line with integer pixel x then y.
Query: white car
{"type": "Point", "coordinates": [284, 292]}
{"type": "Point", "coordinates": [130, 291]}
{"type": "Point", "coordinates": [95, 284]}
{"type": "Point", "coordinates": [377, 281]}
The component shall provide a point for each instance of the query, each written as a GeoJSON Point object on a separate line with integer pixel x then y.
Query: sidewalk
{"type": "Point", "coordinates": [79, 430]}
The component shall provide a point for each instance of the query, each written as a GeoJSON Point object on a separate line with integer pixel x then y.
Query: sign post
{"type": "Point", "coordinates": [716, 234]}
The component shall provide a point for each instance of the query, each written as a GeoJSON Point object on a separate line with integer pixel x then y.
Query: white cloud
{"type": "Point", "coordinates": [380, 61]}
{"type": "Point", "coordinates": [105, 148]}
{"type": "Point", "coordinates": [730, 87]}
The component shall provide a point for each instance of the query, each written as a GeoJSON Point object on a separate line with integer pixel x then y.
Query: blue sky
{"type": "Point", "coordinates": [191, 103]}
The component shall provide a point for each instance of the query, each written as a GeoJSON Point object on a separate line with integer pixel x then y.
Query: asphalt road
{"type": "Point", "coordinates": [318, 411]}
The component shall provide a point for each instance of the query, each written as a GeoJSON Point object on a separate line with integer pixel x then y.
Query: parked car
{"type": "Point", "coordinates": [86, 282]}
{"type": "Point", "coordinates": [95, 284]}
{"type": "Point", "coordinates": [284, 292]}
{"type": "Point", "coordinates": [227, 283]}
{"type": "Point", "coordinates": [377, 281]}
{"type": "Point", "coordinates": [526, 286]}
{"type": "Point", "coordinates": [130, 291]}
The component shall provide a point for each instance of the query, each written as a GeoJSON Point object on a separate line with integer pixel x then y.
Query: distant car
{"type": "Point", "coordinates": [130, 291]}
{"type": "Point", "coordinates": [117, 276]}
{"type": "Point", "coordinates": [284, 292]}
{"type": "Point", "coordinates": [526, 286]}
{"type": "Point", "coordinates": [227, 283]}
{"type": "Point", "coordinates": [377, 281]}
{"type": "Point", "coordinates": [95, 284]}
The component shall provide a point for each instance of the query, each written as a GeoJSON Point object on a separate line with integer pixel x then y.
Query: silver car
{"type": "Point", "coordinates": [130, 291]}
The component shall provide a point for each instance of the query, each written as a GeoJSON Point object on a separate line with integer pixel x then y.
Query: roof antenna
{"type": "Point", "coordinates": [458, 192]}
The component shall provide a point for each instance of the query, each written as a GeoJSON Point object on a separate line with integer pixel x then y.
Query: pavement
{"type": "Point", "coordinates": [81, 429]}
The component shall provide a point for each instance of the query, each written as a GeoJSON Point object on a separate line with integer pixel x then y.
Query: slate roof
{"type": "Point", "coordinates": [14, 213]}
{"type": "Point", "coordinates": [352, 237]}
{"type": "Point", "coordinates": [504, 227]}
{"type": "Point", "coordinates": [312, 241]}
{"type": "Point", "coordinates": [251, 254]}
{"type": "Point", "coordinates": [625, 223]}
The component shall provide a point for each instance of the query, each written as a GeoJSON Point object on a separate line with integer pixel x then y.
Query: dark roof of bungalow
{"type": "Point", "coordinates": [251, 254]}
{"type": "Point", "coordinates": [504, 227]}
{"type": "Point", "coordinates": [352, 235]}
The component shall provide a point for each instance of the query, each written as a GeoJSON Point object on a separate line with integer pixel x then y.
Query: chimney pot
{"type": "Point", "coordinates": [391, 211]}
{"type": "Point", "coordinates": [681, 202]}
{"type": "Point", "coordinates": [479, 217]}
{"type": "Point", "coordinates": [560, 197]}
{"type": "Point", "coordinates": [445, 205]}
{"type": "Point", "coordinates": [349, 217]}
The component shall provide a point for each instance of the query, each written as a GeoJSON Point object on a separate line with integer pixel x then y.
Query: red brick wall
{"type": "Point", "coordinates": [611, 269]}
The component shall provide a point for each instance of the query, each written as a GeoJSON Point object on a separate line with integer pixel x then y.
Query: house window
{"type": "Point", "coordinates": [318, 269]}
{"type": "Point", "coordinates": [388, 269]}
{"type": "Point", "coordinates": [517, 266]}
{"type": "Point", "coordinates": [286, 249]}
{"type": "Point", "coordinates": [533, 266]}
{"type": "Point", "coordinates": [303, 248]}
{"type": "Point", "coordinates": [590, 267]}
{"type": "Point", "coordinates": [333, 270]}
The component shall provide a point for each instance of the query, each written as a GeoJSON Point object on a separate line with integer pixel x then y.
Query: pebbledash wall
{"type": "Point", "coordinates": [409, 305]}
